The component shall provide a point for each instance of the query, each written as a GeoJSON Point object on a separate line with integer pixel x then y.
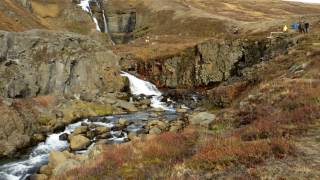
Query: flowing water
{"type": "Point", "coordinates": [21, 169]}
{"type": "Point", "coordinates": [141, 87]}
{"type": "Point", "coordinates": [85, 5]}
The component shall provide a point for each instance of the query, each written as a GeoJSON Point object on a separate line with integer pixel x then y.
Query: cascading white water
{"type": "Point", "coordinates": [39, 156]}
{"type": "Point", "coordinates": [141, 87]}
{"type": "Point", "coordinates": [84, 4]}
{"type": "Point", "coordinates": [105, 22]}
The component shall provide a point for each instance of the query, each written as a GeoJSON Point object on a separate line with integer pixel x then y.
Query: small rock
{"type": "Point", "coordinates": [202, 119]}
{"type": "Point", "coordinates": [158, 110]}
{"type": "Point", "coordinates": [103, 141]}
{"type": "Point", "coordinates": [85, 124]}
{"type": "Point", "coordinates": [64, 137]}
{"type": "Point", "coordinates": [106, 135]}
{"type": "Point", "coordinates": [117, 127]}
{"type": "Point", "coordinates": [91, 134]}
{"type": "Point", "coordinates": [80, 130]}
{"type": "Point", "coordinates": [79, 142]}
{"type": "Point", "coordinates": [123, 122]}
{"type": "Point", "coordinates": [181, 110]}
{"type": "Point", "coordinates": [146, 102]}
{"type": "Point", "coordinates": [126, 105]}
{"type": "Point", "coordinates": [92, 126]}
{"type": "Point", "coordinates": [102, 129]}
{"type": "Point", "coordinates": [160, 124]}
{"type": "Point", "coordinates": [175, 128]}
{"type": "Point", "coordinates": [154, 131]}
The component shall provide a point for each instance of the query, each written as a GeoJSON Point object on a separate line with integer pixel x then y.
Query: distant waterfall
{"type": "Point", "coordinates": [85, 5]}
{"type": "Point", "coordinates": [105, 22]}
{"type": "Point", "coordinates": [141, 87]}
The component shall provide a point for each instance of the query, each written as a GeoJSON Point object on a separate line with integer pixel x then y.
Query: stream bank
{"type": "Point", "coordinates": [87, 132]}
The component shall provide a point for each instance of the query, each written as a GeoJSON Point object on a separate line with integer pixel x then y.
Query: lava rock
{"type": "Point", "coordinates": [64, 137]}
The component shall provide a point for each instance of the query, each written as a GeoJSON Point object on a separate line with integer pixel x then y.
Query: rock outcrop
{"type": "Point", "coordinates": [209, 62]}
{"type": "Point", "coordinates": [26, 4]}
{"type": "Point", "coordinates": [121, 22]}
{"type": "Point", "coordinates": [42, 62]}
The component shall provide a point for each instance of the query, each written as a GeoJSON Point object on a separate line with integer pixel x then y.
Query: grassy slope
{"type": "Point", "coordinates": [51, 14]}
{"type": "Point", "coordinates": [173, 25]}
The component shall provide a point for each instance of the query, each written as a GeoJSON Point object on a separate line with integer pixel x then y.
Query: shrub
{"type": "Point", "coordinates": [220, 153]}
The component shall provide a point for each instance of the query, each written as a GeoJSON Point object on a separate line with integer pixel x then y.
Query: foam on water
{"type": "Point", "coordinates": [84, 4]}
{"type": "Point", "coordinates": [97, 23]}
{"type": "Point", "coordinates": [40, 154]}
{"type": "Point", "coordinates": [141, 87]}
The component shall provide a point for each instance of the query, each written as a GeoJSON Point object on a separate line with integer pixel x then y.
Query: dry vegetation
{"type": "Point", "coordinates": [153, 157]}
{"type": "Point", "coordinates": [264, 130]}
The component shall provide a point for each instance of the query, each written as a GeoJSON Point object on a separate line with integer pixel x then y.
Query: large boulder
{"type": "Point", "coordinates": [18, 123]}
{"type": "Point", "coordinates": [126, 106]}
{"type": "Point", "coordinates": [79, 142]}
{"type": "Point", "coordinates": [65, 166]}
{"type": "Point", "coordinates": [202, 119]}
{"type": "Point", "coordinates": [80, 130]}
{"type": "Point", "coordinates": [102, 129]}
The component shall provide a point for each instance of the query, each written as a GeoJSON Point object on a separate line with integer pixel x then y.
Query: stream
{"type": "Point", "coordinates": [29, 164]}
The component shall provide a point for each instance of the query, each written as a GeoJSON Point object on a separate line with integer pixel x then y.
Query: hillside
{"type": "Point", "coordinates": [159, 89]}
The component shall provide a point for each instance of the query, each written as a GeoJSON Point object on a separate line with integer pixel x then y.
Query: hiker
{"type": "Point", "coordinates": [301, 27]}
{"type": "Point", "coordinates": [306, 26]}
{"type": "Point", "coordinates": [295, 26]}
{"type": "Point", "coordinates": [285, 28]}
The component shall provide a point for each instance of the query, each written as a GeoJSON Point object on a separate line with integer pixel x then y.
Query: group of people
{"type": "Point", "coordinates": [303, 26]}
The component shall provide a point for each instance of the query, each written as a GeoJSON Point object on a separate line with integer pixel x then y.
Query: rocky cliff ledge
{"type": "Point", "coordinates": [42, 62]}
{"type": "Point", "coordinates": [208, 63]}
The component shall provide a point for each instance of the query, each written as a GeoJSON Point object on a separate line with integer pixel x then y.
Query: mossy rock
{"type": "Point", "coordinates": [44, 120]}
{"type": "Point", "coordinates": [80, 109]}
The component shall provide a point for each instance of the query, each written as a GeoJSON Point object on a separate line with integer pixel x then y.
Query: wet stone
{"type": "Point", "coordinates": [102, 129]}
{"type": "Point", "coordinates": [106, 135]}
{"type": "Point", "coordinates": [117, 127]}
{"type": "Point", "coordinates": [155, 130]}
{"type": "Point", "coordinates": [80, 130]}
{"type": "Point", "coordinates": [64, 137]}
{"type": "Point", "coordinates": [91, 134]}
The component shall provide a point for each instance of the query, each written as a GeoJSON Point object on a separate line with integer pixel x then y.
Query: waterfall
{"type": "Point", "coordinates": [85, 5]}
{"type": "Point", "coordinates": [105, 22]}
{"type": "Point", "coordinates": [141, 87]}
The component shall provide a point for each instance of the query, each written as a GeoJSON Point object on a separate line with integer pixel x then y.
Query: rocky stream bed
{"type": "Point", "coordinates": [80, 137]}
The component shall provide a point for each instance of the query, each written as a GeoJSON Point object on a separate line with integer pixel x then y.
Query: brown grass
{"type": "Point", "coordinates": [220, 152]}
{"type": "Point", "coordinates": [139, 160]}
{"type": "Point", "coordinates": [44, 101]}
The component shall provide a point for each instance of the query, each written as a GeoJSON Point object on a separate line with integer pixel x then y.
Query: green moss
{"type": "Point", "coordinates": [44, 120]}
{"type": "Point", "coordinates": [218, 128]}
{"type": "Point", "coordinates": [92, 109]}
